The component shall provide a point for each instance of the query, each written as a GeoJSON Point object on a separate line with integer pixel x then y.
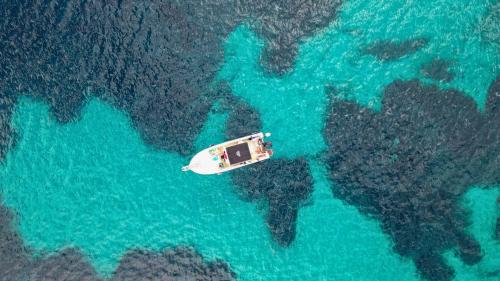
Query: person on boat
{"type": "Point", "coordinates": [268, 144]}
{"type": "Point", "coordinates": [259, 150]}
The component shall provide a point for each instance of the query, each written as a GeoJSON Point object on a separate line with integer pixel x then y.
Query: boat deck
{"type": "Point", "coordinates": [248, 150]}
{"type": "Point", "coordinates": [230, 155]}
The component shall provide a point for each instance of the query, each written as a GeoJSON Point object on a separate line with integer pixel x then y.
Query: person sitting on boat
{"type": "Point", "coordinates": [224, 156]}
{"type": "Point", "coordinates": [259, 150]}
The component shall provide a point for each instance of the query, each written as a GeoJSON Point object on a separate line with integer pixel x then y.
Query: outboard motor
{"type": "Point", "coordinates": [268, 144]}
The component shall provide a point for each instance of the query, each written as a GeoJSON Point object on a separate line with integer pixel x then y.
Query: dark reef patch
{"type": "Point", "coordinates": [469, 250]}
{"type": "Point", "coordinates": [497, 229]}
{"type": "Point", "coordinates": [7, 134]}
{"type": "Point", "coordinates": [178, 264]}
{"type": "Point", "coordinates": [388, 50]}
{"type": "Point", "coordinates": [284, 185]}
{"type": "Point", "coordinates": [155, 60]}
{"type": "Point", "coordinates": [243, 119]}
{"type": "Point", "coordinates": [13, 256]}
{"type": "Point", "coordinates": [433, 267]}
{"type": "Point", "coordinates": [409, 164]}
{"type": "Point", "coordinates": [284, 23]}
{"type": "Point", "coordinates": [16, 263]}
{"type": "Point", "coordinates": [67, 265]}
{"type": "Point", "coordinates": [152, 60]}
{"type": "Point", "coordinates": [437, 69]}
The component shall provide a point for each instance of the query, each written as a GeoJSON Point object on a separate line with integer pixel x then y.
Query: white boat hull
{"type": "Point", "coordinates": [230, 155]}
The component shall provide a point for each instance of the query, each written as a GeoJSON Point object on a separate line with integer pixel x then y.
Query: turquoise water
{"type": "Point", "coordinates": [95, 185]}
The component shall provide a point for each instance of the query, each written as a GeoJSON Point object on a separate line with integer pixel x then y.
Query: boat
{"type": "Point", "coordinates": [231, 155]}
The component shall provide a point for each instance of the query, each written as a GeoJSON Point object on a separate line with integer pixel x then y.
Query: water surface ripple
{"type": "Point", "coordinates": [385, 121]}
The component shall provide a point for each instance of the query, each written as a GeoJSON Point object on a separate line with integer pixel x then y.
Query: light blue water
{"type": "Point", "coordinates": [95, 185]}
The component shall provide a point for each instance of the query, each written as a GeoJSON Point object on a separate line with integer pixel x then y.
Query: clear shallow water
{"type": "Point", "coordinates": [95, 185]}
